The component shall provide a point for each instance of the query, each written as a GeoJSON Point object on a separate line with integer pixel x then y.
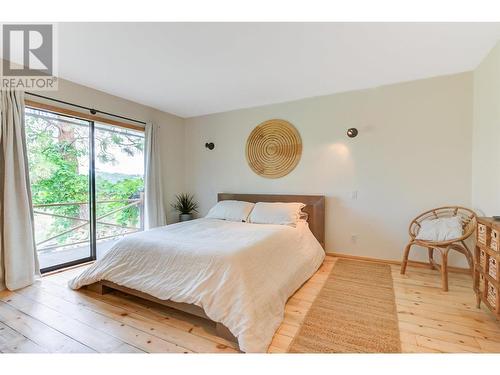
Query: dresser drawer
{"type": "Point", "coordinates": [492, 296]}
{"type": "Point", "coordinates": [482, 259]}
{"type": "Point", "coordinates": [483, 234]}
{"type": "Point", "coordinates": [494, 240]}
{"type": "Point", "coordinates": [493, 270]}
{"type": "Point", "coordinates": [482, 282]}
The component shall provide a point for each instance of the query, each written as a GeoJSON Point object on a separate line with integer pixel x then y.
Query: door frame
{"type": "Point", "coordinates": [91, 119]}
{"type": "Point", "coordinates": [91, 198]}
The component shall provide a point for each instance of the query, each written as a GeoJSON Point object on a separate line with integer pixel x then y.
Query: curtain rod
{"type": "Point", "coordinates": [91, 110]}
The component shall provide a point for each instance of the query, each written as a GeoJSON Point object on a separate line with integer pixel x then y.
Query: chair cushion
{"type": "Point", "coordinates": [442, 229]}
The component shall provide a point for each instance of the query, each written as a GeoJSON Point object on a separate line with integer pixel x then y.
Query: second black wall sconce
{"type": "Point", "coordinates": [210, 146]}
{"type": "Point", "coordinates": [352, 132]}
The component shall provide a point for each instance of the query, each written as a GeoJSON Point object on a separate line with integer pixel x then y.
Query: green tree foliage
{"type": "Point", "coordinates": [123, 190]}
{"type": "Point", "coordinates": [58, 153]}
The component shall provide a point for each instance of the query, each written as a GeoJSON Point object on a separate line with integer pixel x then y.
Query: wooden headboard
{"type": "Point", "coordinates": [315, 207]}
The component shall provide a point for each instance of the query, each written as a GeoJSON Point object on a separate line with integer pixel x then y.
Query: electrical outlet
{"type": "Point", "coordinates": [354, 238]}
{"type": "Point", "coordinates": [354, 195]}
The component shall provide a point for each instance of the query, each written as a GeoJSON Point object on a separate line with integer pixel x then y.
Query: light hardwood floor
{"type": "Point", "coordinates": [49, 317]}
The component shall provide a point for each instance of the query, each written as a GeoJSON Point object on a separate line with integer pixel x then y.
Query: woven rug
{"type": "Point", "coordinates": [355, 312]}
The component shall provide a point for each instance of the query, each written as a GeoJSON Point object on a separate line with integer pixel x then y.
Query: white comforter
{"type": "Point", "coordinates": [241, 274]}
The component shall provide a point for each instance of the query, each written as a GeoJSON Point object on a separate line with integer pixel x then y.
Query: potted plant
{"type": "Point", "coordinates": [185, 205]}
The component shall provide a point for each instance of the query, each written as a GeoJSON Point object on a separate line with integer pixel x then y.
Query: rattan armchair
{"type": "Point", "coordinates": [469, 222]}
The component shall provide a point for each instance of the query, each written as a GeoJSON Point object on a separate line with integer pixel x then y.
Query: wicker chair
{"type": "Point", "coordinates": [469, 222]}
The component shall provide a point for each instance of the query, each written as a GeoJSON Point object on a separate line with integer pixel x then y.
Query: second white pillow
{"type": "Point", "coordinates": [276, 213]}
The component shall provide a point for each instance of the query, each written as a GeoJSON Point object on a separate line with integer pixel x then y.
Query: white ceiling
{"type": "Point", "coordinates": [191, 69]}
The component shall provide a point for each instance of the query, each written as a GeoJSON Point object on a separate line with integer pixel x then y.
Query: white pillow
{"type": "Point", "coordinates": [230, 210]}
{"type": "Point", "coordinates": [276, 213]}
{"type": "Point", "coordinates": [442, 229]}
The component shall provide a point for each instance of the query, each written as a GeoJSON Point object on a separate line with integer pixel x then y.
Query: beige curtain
{"type": "Point", "coordinates": [18, 258]}
{"type": "Point", "coordinates": [153, 192]}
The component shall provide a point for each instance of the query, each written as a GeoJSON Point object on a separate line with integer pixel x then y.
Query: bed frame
{"type": "Point", "coordinates": [315, 208]}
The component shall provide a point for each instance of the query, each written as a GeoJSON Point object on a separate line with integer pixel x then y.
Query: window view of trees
{"type": "Point", "coordinates": [59, 158]}
{"type": "Point", "coordinates": [119, 176]}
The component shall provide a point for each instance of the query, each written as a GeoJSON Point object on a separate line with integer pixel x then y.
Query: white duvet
{"type": "Point", "coordinates": [241, 274]}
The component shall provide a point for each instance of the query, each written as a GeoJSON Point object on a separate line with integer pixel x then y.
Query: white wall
{"type": "Point", "coordinates": [171, 129]}
{"type": "Point", "coordinates": [413, 153]}
{"type": "Point", "coordinates": [486, 138]}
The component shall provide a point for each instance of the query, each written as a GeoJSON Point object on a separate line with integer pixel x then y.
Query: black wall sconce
{"type": "Point", "coordinates": [210, 146]}
{"type": "Point", "coordinates": [352, 132]}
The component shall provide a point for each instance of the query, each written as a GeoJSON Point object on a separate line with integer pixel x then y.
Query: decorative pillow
{"type": "Point", "coordinates": [276, 213]}
{"type": "Point", "coordinates": [442, 229]}
{"type": "Point", "coordinates": [230, 210]}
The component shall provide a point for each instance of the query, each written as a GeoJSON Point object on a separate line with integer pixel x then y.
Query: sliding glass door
{"type": "Point", "coordinates": [86, 183]}
{"type": "Point", "coordinates": [59, 163]}
{"type": "Point", "coordinates": [119, 181]}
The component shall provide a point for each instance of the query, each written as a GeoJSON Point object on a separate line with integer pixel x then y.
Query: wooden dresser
{"type": "Point", "coordinates": [486, 264]}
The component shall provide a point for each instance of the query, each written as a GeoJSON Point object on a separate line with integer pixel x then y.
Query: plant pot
{"type": "Point", "coordinates": [185, 217]}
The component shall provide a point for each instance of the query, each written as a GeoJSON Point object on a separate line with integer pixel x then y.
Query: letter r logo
{"type": "Point", "coordinates": [27, 50]}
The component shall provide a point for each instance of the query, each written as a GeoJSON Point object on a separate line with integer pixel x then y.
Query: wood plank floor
{"type": "Point", "coordinates": [49, 317]}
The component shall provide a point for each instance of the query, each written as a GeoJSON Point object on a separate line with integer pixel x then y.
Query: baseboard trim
{"type": "Point", "coordinates": [412, 263]}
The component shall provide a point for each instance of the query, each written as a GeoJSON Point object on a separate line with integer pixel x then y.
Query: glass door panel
{"type": "Point", "coordinates": [119, 181]}
{"type": "Point", "coordinates": [59, 156]}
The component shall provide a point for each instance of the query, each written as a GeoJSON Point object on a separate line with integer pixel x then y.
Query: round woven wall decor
{"type": "Point", "coordinates": [274, 148]}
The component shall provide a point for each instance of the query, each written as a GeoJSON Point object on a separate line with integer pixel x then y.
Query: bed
{"type": "Point", "coordinates": [239, 275]}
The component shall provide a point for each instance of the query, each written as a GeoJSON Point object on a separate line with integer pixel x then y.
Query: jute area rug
{"type": "Point", "coordinates": [355, 312]}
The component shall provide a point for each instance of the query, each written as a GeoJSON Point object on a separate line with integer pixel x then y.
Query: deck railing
{"type": "Point", "coordinates": [138, 202]}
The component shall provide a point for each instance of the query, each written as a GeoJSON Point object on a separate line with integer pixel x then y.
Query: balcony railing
{"type": "Point", "coordinates": [129, 203]}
